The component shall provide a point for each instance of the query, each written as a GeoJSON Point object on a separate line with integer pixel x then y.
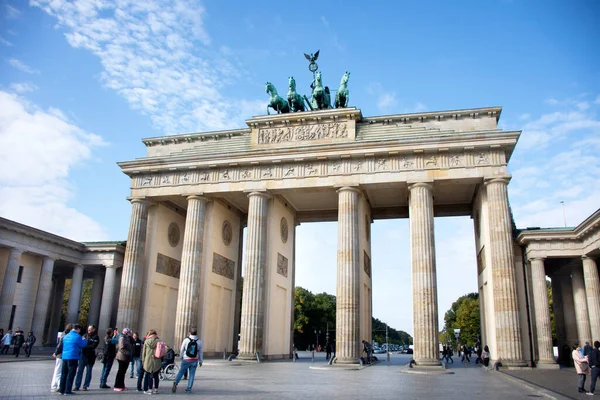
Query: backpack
{"type": "Point", "coordinates": [192, 349]}
{"type": "Point", "coordinates": [161, 350]}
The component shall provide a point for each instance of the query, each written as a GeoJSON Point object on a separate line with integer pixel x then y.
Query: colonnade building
{"type": "Point", "coordinates": [193, 195]}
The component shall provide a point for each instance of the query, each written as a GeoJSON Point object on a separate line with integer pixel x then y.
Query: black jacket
{"type": "Point", "coordinates": [595, 358]}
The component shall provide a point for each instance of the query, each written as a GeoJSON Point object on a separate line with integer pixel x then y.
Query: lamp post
{"type": "Point", "coordinates": [456, 335]}
{"type": "Point", "coordinates": [317, 333]}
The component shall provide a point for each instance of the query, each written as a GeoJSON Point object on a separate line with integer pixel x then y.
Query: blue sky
{"type": "Point", "coordinates": [81, 83]}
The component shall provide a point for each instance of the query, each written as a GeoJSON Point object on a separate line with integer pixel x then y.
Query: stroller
{"type": "Point", "coordinates": [168, 369]}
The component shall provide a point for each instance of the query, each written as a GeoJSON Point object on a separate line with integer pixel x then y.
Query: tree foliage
{"type": "Point", "coordinates": [84, 308]}
{"type": "Point", "coordinates": [464, 315]}
{"type": "Point", "coordinates": [316, 313]}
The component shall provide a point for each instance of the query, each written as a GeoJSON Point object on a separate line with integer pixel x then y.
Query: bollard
{"type": "Point", "coordinates": [257, 357]}
{"type": "Point", "coordinates": [313, 356]}
{"type": "Point", "coordinates": [225, 354]}
{"type": "Point", "coordinates": [388, 358]}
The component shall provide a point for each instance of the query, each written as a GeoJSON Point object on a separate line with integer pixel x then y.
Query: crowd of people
{"type": "Point", "coordinates": [587, 361]}
{"type": "Point", "coordinates": [76, 354]}
{"type": "Point", "coordinates": [465, 353]}
{"type": "Point", "coordinates": [18, 341]}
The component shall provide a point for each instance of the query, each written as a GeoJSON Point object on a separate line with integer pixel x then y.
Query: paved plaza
{"type": "Point", "coordinates": [288, 380]}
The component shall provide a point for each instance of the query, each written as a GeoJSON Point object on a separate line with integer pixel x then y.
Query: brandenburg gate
{"type": "Point", "coordinates": [193, 194]}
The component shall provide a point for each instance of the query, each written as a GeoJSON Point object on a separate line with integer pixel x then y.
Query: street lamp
{"type": "Point", "coordinates": [456, 335]}
{"type": "Point", "coordinates": [317, 333]}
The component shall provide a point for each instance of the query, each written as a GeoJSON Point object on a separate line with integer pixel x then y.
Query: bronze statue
{"type": "Point", "coordinates": [343, 95]}
{"type": "Point", "coordinates": [276, 102]}
{"type": "Point", "coordinates": [295, 101]}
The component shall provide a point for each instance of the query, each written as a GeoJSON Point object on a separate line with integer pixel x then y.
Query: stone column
{"type": "Point", "coordinates": [188, 297]}
{"type": "Point", "coordinates": [506, 310]}
{"type": "Point", "coordinates": [238, 290]}
{"type": "Point", "coordinates": [424, 281]}
{"type": "Point", "coordinates": [96, 298]}
{"type": "Point", "coordinates": [348, 341]}
{"type": "Point", "coordinates": [42, 300]}
{"type": "Point", "coordinates": [542, 312]}
{"type": "Point", "coordinates": [133, 265]}
{"type": "Point", "coordinates": [108, 294]}
{"type": "Point", "coordinates": [9, 284]}
{"type": "Point", "coordinates": [59, 293]}
{"type": "Point", "coordinates": [592, 291]}
{"type": "Point", "coordinates": [75, 295]}
{"type": "Point", "coordinates": [253, 318]}
{"type": "Point", "coordinates": [566, 291]}
{"type": "Point", "coordinates": [559, 320]}
{"type": "Point", "coordinates": [581, 311]}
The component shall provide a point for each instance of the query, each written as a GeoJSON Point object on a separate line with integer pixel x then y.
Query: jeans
{"type": "Point", "coordinates": [151, 377]}
{"type": "Point", "coordinates": [185, 365]}
{"type": "Point", "coordinates": [595, 375]}
{"type": "Point", "coordinates": [136, 366]}
{"type": "Point", "coordinates": [5, 349]}
{"type": "Point", "coordinates": [69, 367]}
{"type": "Point", "coordinates": [140, 380]}
{"type": "Point", "coordinates": [28, 349]}
{"type": "Point", "coordinates": [83, 364]}
{"type": "Point", "coordinates": [581, 381]}
{"type": "Point", "coordinates": [105, 371]}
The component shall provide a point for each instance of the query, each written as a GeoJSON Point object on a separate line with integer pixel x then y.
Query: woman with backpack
{"type": "Point", "coordinates": [124, 350]}
{"type": "Point", "coordinates": [154, 349]}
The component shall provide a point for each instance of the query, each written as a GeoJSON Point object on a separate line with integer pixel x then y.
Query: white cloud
{"type": "Point", "coordinates": [5, 42]}
{"type": "Point", "coordinates": [324, 21]}
{"type": "Point", "coordinates": [38, 149]}
{"type": "Point", "coordinates": [12, 12]}
{"type": "Point", "coordinates": [386, 101]}
{"type": "Point", "coordinates": [156, 55]}
{"type": "Point", "coordinates": [22, 66]}
{"type": "Point", "coordinates": [22, 87]}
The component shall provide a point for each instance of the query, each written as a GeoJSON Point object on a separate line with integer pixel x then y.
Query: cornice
{"type": "Point", "coordinates": [588, 225]}
{"type": "Point", "coordinates": [41, 235]}
{"type": "Point", "coordinates": [194, 137]}
{"type": "Point", "coordinates": [408, 143]}
{"type": "Point", "coordinates": [469, 113]}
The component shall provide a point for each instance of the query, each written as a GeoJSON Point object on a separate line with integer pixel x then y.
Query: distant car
{"type": "Point", "coordinates": [379, 351]}
{"type": "Point", "coordinates": [408, 350]}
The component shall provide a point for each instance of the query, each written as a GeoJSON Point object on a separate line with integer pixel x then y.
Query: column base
{"type": "Point", "coordinates": [428, 362]}
{"type": "Point", "coordinates": [513, 364]}
{"type": "Point", "coordinates": [339, 360]}
{"type": "Point", "coordinates": [249, 357]}
{"type": "Point", "coordinates": [547, 364]}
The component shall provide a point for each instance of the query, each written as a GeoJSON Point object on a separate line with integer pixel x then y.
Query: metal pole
{"type": "Point", "coordinates": [564, 214]}
{"type": "Point", "coordinates": [387, 345]}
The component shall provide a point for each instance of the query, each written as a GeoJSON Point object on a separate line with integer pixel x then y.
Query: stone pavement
{"type": "Point", "coordinates": [288, 380]}
{"type": "Point", "coordinates": [562, 381]}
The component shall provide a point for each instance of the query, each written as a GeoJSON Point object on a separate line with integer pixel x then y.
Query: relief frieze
{"type": "Point", "coordinates": [168, 266]}
{"type": "Point", "coordinates": [282, 265]}
{"type": "Point", "coordinates": [223, 266]}
{"type": "Point", "coordinates": [334, 130]}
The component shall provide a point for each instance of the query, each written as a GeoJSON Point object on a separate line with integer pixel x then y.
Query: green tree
{"type": "Point", "coordinates": [464, 315]}
{"type": "Point", "coordinates": [84, 309]}
{"type": "Point", "coordinates": [551, 307]}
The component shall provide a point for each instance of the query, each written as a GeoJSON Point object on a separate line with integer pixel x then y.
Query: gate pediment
{"type": "Point", "coordinates": [302, 129]}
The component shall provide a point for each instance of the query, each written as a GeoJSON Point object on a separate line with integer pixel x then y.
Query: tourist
{"type": "Point", "coordinates": [581, 366]}
{"type": "Point", "coordinates": [367, 349]}
{"type": "Point", "coordinates": [55, 384]}
{"type": "Point", "coordinates": [151, 363]}
{"type": "Point", "coordinates": [595, 366]}
{"type": "Point", "coordinates": [29, 342]}
{"type": "Point", "coordinates": [136, 361]}
{"type": "Point", "coordinates": [140, 369]}
{"type": "Point", "coordinates": [327, 350]}
{"type": "Point", "coordinates": [587, 349]}
{"type": "Point", "coordinates": [108, 355]}
{"type": "Point", "coordinates": [72, 343]}
{"type": "Point", "coordinates": [123, 358]}
{"type": "Point", "coordinates": [6, 342]}
{"type": "Point", "coordinates": [191, 358]}
{"type": "Point", "coordinates": [18, 341]}
{"type": "Point", "coordinates": [87, 359]}
{"type": "Point", "coordinates": [485, 356]}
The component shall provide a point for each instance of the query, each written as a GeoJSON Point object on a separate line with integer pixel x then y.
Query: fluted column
{"type": "Point", "coordinates": [566, 291]}
{"type": "Point", "coordinates": [253, 318]}
{"type": "Point", "coordinates": [75, 295]}
{"type": "Point", "coordinates": [42, 300]}
{"type": "Point", "coordinates": [95, 300]}
{"type": "Point", "coordinates": [59, 294]}
{"type": "Point", "coordinates": [131, 279]}
{"type": "Point", "coordinates": [592, 291]}
{"type": "Point", "coordinates": [542, 312]}
{"type": "Point", "coordinates": [424, 280]}
{"type": "Point", "coordinates": [581, 311]}
{"type": "Point", "coordinates": [506, 311]}
{"type": "Point", "coordinates": [188, 297]}
{"type": "Point", "coordinates": [348, 279]}
{"type": "Point", "coordinates": [559, 320]}
{"type": "Point", "coordinates": [9, 284]}
{"type": "Point", "coordinates": [108, 295]}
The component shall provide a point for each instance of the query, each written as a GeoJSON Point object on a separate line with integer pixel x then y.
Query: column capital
{"type": "Point", "coordinates": [497, 179]}
{"type": "Point", "coordinates": [142, 200]}
{"type": "Point", "coordinates": [256, 193]}
{"type": "Point", "coordinates": [15, 252]}
{"type": "Point", "coordinates": [111, 266]}
{"type": "Point", "coordinates": [199, 196]}
{"type": "Point", "coordinates": [354, 189]}
{"type": "Point", "coordinates": [49, 258]}
{"type": "Point", "coordinates": [585, 257]}
{"type": "Point", "coordinates": [426, 184]}
{"type": "Point", "coordinates": [537, 258]}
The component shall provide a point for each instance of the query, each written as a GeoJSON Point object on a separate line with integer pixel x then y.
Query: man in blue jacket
{"type": "Point", "coordinates": [72, 345]}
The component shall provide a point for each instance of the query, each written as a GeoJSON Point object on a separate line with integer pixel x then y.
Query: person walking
{"type": "Point", "coordinates": [6, 342]}
{"type": "Point", "coordinates": [18, 341]}
{"type": "Point", "coordinates": [485, 356]}
{"type": "Point", "coordinates": [29, 342]}
{"type": "Point", "coordinates": [595, 365]}
{"type": "Point", "coordinates": [108, 356]}
{"type": "Point", "coordinates": [71, 352]}
{"type": "Point", "coordinates": [123, 358]}
{"type": "Point", "coordinates": [87, 359]}
{"type": "Point", "coordinates": [581, 366]}
{"type": "Point", "coordinates": [55, 384]}
{"type": "Point", "coordinates": [136, 361]}
{"type": "Point", "coordinates": [191, 358]}
{"type": "Point", "coordinates": [150, 362]}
